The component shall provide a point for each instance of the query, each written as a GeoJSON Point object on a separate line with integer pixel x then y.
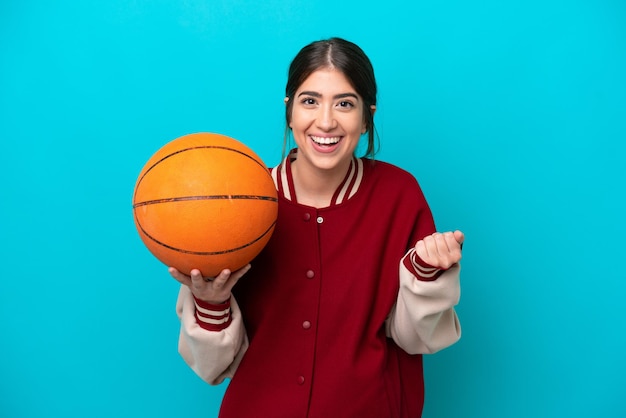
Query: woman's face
{"type": "Point", "coordinates": [327, 120]}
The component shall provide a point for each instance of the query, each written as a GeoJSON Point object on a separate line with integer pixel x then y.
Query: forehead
{"type": "Point", "coordinates": [327, 80]}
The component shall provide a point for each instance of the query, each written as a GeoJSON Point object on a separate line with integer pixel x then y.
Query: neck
{"type": "Point", "coordinates": [315, 187]}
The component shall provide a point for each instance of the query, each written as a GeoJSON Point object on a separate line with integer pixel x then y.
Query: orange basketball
{"type": "Point", "coordinates": [205, 201]}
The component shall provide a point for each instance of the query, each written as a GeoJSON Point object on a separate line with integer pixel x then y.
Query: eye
{"type": "Point", "coordinates": [308, 101]}
{"type": "Point", "coordinates": [346, 104]}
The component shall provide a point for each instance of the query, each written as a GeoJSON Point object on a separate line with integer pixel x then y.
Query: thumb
{"type": "Point", "coordinates": [459, 236]}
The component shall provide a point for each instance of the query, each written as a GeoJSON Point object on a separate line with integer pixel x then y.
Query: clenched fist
{"type": "Point", "coordinates": [441, 250]}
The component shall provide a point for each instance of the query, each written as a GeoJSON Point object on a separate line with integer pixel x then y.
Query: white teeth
{"type": "Point", "coordinates": [325, 141]}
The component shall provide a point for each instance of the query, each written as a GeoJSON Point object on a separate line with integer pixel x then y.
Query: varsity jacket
{"type": "Point", "coordinates": [335, 313]}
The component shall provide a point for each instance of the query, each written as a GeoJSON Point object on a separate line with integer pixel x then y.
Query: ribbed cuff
{"type": "Point", "coordinates": [419, 268]}
{"type": "Point", "coordinates": [212, 317]}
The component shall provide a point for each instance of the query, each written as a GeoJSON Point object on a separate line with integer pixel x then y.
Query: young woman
{"type": "Point", "coordinates": [355, 283]}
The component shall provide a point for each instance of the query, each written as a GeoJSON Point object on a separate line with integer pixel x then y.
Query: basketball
{"type": "Point", "coordinates": [205, 201]}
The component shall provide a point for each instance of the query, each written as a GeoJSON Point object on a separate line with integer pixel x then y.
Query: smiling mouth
{"type": "Point", "coordinates": [326, 140]}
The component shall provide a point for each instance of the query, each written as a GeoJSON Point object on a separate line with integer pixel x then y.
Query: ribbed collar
{"type": "Point", "coordinates": [283, 179]}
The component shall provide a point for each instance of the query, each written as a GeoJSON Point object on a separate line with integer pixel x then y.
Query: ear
{"type": "Point", "coordinates": [287, 102]}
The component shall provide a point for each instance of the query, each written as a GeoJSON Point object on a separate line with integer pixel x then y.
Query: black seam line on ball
{"type": "Point", "coordinates": [209, 197]}
{"type": "Point", "coordinates": [191, 149]}
{"type": "Point", "coordinates": [180, 250]}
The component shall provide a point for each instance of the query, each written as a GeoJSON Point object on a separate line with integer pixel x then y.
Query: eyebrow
{"type": "Point", "coordinates": [337, 96]}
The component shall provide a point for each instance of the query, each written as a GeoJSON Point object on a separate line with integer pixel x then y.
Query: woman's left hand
{"type": "Point", "coordinates": [441, 250]}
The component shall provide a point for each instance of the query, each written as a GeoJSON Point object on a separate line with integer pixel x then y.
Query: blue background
{"type": "Point", "coordinates": [512, 115]}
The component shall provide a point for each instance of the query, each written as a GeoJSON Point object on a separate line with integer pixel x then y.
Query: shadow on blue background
{"type": "Point", "coordinates": [511, 115]}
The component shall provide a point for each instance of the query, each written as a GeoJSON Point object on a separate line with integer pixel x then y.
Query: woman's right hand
{"type": "Point", "coordinates": [211, 290]}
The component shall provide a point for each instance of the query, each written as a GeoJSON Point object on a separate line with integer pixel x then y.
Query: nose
{"type": "Point", "coordinates": [326, 118]}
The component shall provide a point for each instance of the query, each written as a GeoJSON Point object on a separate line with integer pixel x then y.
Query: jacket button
{"type": "Point", "coordinates": [310, 274]}
{"type": "Point", "coordinates": [306, 325]}
{"type": "Point", "coordinates": [320, 219]}
{"type": "Point", "coordinates": [301, 380]}
{"type": "Point", "coordinates": [306, 216]}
